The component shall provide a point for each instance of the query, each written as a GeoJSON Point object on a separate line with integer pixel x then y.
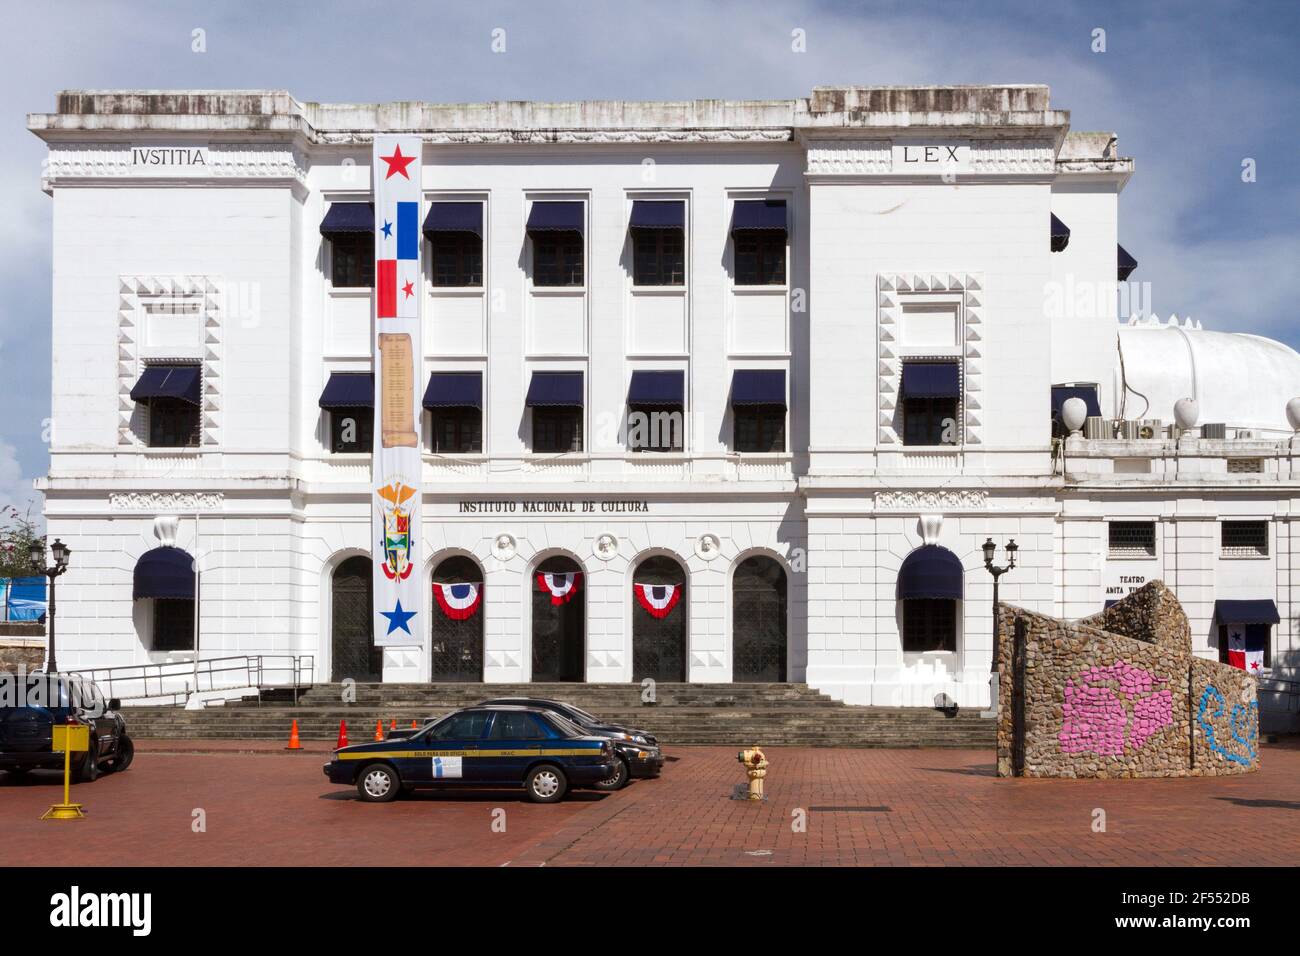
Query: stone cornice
{"type": "Point", "coordinates": [223, 164]}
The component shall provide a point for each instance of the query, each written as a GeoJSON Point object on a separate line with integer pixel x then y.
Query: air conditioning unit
{"type": "Point", "coordinates": [1217, 431]}
{"type": "Point", "coordinates": [1128, 429]}
{"type": "Point", "coordinates": [1149, 428]}
{"type": "Point", "coordinates": [1096, 427]}
{"type": "Point", "coordinates": [1244, 434]}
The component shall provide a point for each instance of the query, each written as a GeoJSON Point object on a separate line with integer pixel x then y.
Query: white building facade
{"type": "Point", "coordinates": [854, 313]}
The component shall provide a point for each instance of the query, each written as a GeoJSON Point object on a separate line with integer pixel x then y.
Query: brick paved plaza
{"type": "Point", "coordinates": [863, 807]}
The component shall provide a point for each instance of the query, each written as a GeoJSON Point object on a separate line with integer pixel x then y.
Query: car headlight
{"type": "Point", "coordinates": [639, 739]}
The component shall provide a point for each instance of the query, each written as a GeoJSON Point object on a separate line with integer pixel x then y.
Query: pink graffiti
{"type": "Point", "coordinates": [1095, 718]}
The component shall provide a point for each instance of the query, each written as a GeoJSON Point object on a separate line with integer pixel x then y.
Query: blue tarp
{"type": "Point", "coordinates": [24, 598]}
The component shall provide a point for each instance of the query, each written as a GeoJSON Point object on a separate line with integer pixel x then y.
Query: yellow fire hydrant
{"type": "Point", "coordinates": [755, 764]}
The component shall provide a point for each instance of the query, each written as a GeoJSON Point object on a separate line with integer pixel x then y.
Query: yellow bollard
{"type": "Point", "coordinates": [755, 764]}
{"type": "Point", "coordinates": [68, 737]}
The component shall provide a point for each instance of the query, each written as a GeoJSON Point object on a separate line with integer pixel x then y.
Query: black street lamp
{"type": "Point", "coordinates": [991, 552]}
{"type": "Point", "coordinates": [60, 551]}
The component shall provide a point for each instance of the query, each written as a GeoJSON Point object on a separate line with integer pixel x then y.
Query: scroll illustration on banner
{"type": "Point", "coordinates": [561, 586]}
{"type": "Point", "coordinates": [395, 475]}
{"type": "Point", "coordinates": [658, 599]}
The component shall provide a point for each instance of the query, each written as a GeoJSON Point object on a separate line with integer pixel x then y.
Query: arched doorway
{"type": "Point", "coordinates": [456, 644]}
{"type": "Point", "coordinates": [659, 620]}
{"type": "Point", "coordinates": [559, 620]}
{"type": "Point", "coordinates": [758, 621]}
{"type": "Point", "coordinates": [352, 639]}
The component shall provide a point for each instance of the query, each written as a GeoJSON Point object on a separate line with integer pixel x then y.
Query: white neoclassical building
{"type": "Point", "coordinates": [856, 316]}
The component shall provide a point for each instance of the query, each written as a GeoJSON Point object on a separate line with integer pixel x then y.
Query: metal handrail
{"type": "Point", "coordinates": [254, 669]}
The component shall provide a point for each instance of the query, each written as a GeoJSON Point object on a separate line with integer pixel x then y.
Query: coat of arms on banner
{"type": "Point", "coordinates": [658, 599]}
{"type": "Point", "coordinates": [561, 586]}
{"type": "Point", "coordinates": [396, 544]}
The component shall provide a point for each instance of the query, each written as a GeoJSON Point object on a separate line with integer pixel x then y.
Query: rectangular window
{"type": "Point", "coordinates": [173, 625]}
{"type": "Point", "coordinates": [457, 259]}
{"type": "Point", "coordinates": [930, 421]}
{"type": "Point", "coordinates": [658, 257]}
{"type": "Point", "coordinates": [353, 261]}
{"type": "Point", "coordinates": [557, 429]}
{"type": "Point", "coordinates": [351, 430]}
{"type": "Point", "coordinates": [1132, 539]}
{"type": "Point", "coordinates": [760, 257]}
{"type": "Point", "coordinates": [1244, 539]}
{"type": "Point", "coordinates": [557, 259]}
{"type": "Point", "coordinates": [457, 430]}
{"type": "Point", "coordinates": [173, 423]}
{"type": "Point", "coordinates": [1245, 466]}
{"type": "Point", "coordinates": [929, 624]}
{"type": "Point", "coordinates": [655, 428]}
{"type": "Point", "coordinates": [760, 428]}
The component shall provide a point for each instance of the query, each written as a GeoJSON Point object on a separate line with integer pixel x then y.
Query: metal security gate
{"type": "Point", "coordinates": [354, 654]}
{"type": "Point", "coordinates": [456, 644]}
{"type": "Point", "coordinates": [659, 643]}
{"type": "Point", "coordinates": [559, 630]}
{"type": "Point", "coordinates": [758, 621]}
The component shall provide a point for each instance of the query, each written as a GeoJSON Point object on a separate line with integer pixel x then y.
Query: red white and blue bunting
{"type": "Point", "coordinates": [458, 601]}
{"type": "Point", "coordinates": [561, 587]}
{"type": "Point", "coordinates": [658, 599]}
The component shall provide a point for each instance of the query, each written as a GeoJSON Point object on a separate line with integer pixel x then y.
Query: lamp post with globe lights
{"type": "Point", "coordinates": [60, 553]}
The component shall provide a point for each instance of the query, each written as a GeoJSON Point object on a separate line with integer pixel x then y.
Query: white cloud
{"type": "Point", "coordinates": [16, 491]}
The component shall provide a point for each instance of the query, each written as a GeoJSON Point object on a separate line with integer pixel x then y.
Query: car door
{"type": "Point", "coordinates": [449, 752]}
{"type": "Point", "coordinates": [91, 707]}
{"type": "Point", "coordinates": [513, 743]}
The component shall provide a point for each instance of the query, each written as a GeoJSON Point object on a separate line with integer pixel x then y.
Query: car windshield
{"type": "Point", "coordinates": [33, 690]}
{"type": "Point", "coordinates": [582, 715]}
{"type": "Point", "coordinates": [565, 726]}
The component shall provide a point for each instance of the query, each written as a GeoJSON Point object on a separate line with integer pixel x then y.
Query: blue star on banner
{"type": "Point", "coordinates": [398, 618]}
{"type": "Point", "coordinates": [388, 229]}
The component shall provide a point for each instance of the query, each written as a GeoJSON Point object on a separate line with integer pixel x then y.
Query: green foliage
{"type": "Point", "coordinates": [17, 532]}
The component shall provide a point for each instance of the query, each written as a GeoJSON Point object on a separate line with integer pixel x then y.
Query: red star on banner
{"type": "Point", "coordinates": [397, 163]}
{"type": "Point", "coordinates": [409, 289]}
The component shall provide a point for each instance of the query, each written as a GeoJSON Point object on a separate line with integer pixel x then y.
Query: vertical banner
{"type": "Point", "coordinates": [395, 476]}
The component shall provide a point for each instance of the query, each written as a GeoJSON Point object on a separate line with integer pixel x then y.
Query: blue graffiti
{"type": "Point", "coordinates": [1244, 722]}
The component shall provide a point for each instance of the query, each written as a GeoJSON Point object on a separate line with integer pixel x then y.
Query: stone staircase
{"type": "Point", "coordinates": [719, 714]}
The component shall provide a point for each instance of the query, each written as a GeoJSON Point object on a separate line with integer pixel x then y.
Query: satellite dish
{"type": "Point", "coordinates": [1186, 413]}
{"type": "Point", "coordinates": [1074, 412]}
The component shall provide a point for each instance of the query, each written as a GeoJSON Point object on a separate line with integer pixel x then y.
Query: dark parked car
{"type": "Point", "coordinates": [638, 751]}
{"type": "Point", "coordinates": [32, 704]}
{"type": "Point", "coordinates": [479, 747]}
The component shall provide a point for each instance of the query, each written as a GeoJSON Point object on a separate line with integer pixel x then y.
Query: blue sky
{"type": "Point", "coordinates": [1191, 89]}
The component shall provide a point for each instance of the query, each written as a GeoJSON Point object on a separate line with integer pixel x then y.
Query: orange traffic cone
{"type": "Point", "coordinates": [392, 723]}
{"type": "Point", "coordinates": [343, 735]}
{"type": "Point", "coordinates": [414, 725]}
{"type": "Point", "coordinates": [379, 730]}
{"type": "Point", "coordinates": [294, 743]}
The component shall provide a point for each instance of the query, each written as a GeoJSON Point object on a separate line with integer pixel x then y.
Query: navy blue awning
{"type": "Point", "coordinates": [464, 217]}
{"type": "Point", "coordinates": [658, 214]}
{"type": "Point", "coordinates": [764, 214]}
{"type": "Point", "coordinates": [349, 390]}
{"type": "Point", "coordinates": [1060, 393]}
{"type": "Point", "coordinates": [1060, 234]}
{"type": "Point", "coordinates": [164, 573]}
{"type": "Point", "coordinates": [1110, 604]}
{"type": "Point", "coordinates": [555, 388]}
{"type": "Point", "coordinates": [168, 381]}
{"type": "Point", "coordinates": [758, 386]}
{"type": "Point", "coordinates": [454, 390]}
{"type": "Point", "coordinates": [1263, 611]}
{"type": "Point", "coordinates": [931, 380]}
{"type": "Point", "coordinates": [555, 217]}
{"type": "Point", "coordinates": [1125, 262]}
{"type": "Point", "coordinates": [348, 218]}
{"type": "Point", "coordinates": [667, 387]}
{"type": "Point", "coordinates": [930, 572]}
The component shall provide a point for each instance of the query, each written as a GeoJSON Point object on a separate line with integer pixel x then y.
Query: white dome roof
{"type": "Point", "coordinates": [1244, 381]}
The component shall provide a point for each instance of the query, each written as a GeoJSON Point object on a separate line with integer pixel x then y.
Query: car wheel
{"type": "Point", "coordinates": [546, 784]}
{"type": "Point", "coordinates": [618, 780]}
{"type": "Point", "coordinates": [125, 754]}
{"type": "Point", "coordinates": [88, 770]}
{"type": "Point", "coordinates": [378, 783]}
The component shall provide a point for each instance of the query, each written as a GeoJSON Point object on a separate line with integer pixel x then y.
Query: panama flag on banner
{"type": "Point", "coordinates": [1246, 646]}
{"type": "Point", "coordinates": [395, 516]}
{"type": "Point", "coordinates": [560, 586]}
{"type": "Point", "coordinates": [458, 601]}
{"type": "Point", "coordinates": [658, 599]}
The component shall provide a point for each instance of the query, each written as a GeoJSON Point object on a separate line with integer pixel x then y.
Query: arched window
{"type": "Point", "coordinates": [165, 578]}
{"type": "Point", "coordinates": [559, 620]}
{"type": "Point", "coordinates": [930, 589]}
{"type": "Point", "coordinates": [659, 620]}
{"type": "Point", "coordinates": [758, 621]}
{"type": "Point", "coordinates": [456, 645]}
{"type": "Point", "coordinates": [352, 638]}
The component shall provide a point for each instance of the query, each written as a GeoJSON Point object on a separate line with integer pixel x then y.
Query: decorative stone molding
{"type": "Point", "coordinates": [938, 500]}
{"type": "Point", "coordinates": [180, 501]}
{"type": "Point", "coordinates": [850, 158]}
{"type": "Point", "coordinates": [605, 547]}
{"type": "Point", "coordinates": [504, 547]}
{"type": "Point", "coordinates": [992, 157]}
{"type": "Point", "coordinates": [133, 294]}
{"type": "Point", "coordinates": [221, 162]}
{"type": "Point", "coordinates": [931, 527]}
{"type": "Point", "coordinates": [891, 289]}
{"type": "Point", "coordinates": [509, 137]}
{"type": "Point", "coordinates": [708, 547]}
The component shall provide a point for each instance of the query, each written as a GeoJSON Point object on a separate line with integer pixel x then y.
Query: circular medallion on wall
{"type": "Point", "coordinates": [503, 547]}
{"type": "Point", "coordinates": [708, 546]}
{"type": "Point", "coordinates": [605, 547]}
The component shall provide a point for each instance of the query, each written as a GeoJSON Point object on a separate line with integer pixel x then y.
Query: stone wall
{"type": "Point", "coordinates": [1119, 694]}
{"type": "Point", "coordinates": [15, 652]}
